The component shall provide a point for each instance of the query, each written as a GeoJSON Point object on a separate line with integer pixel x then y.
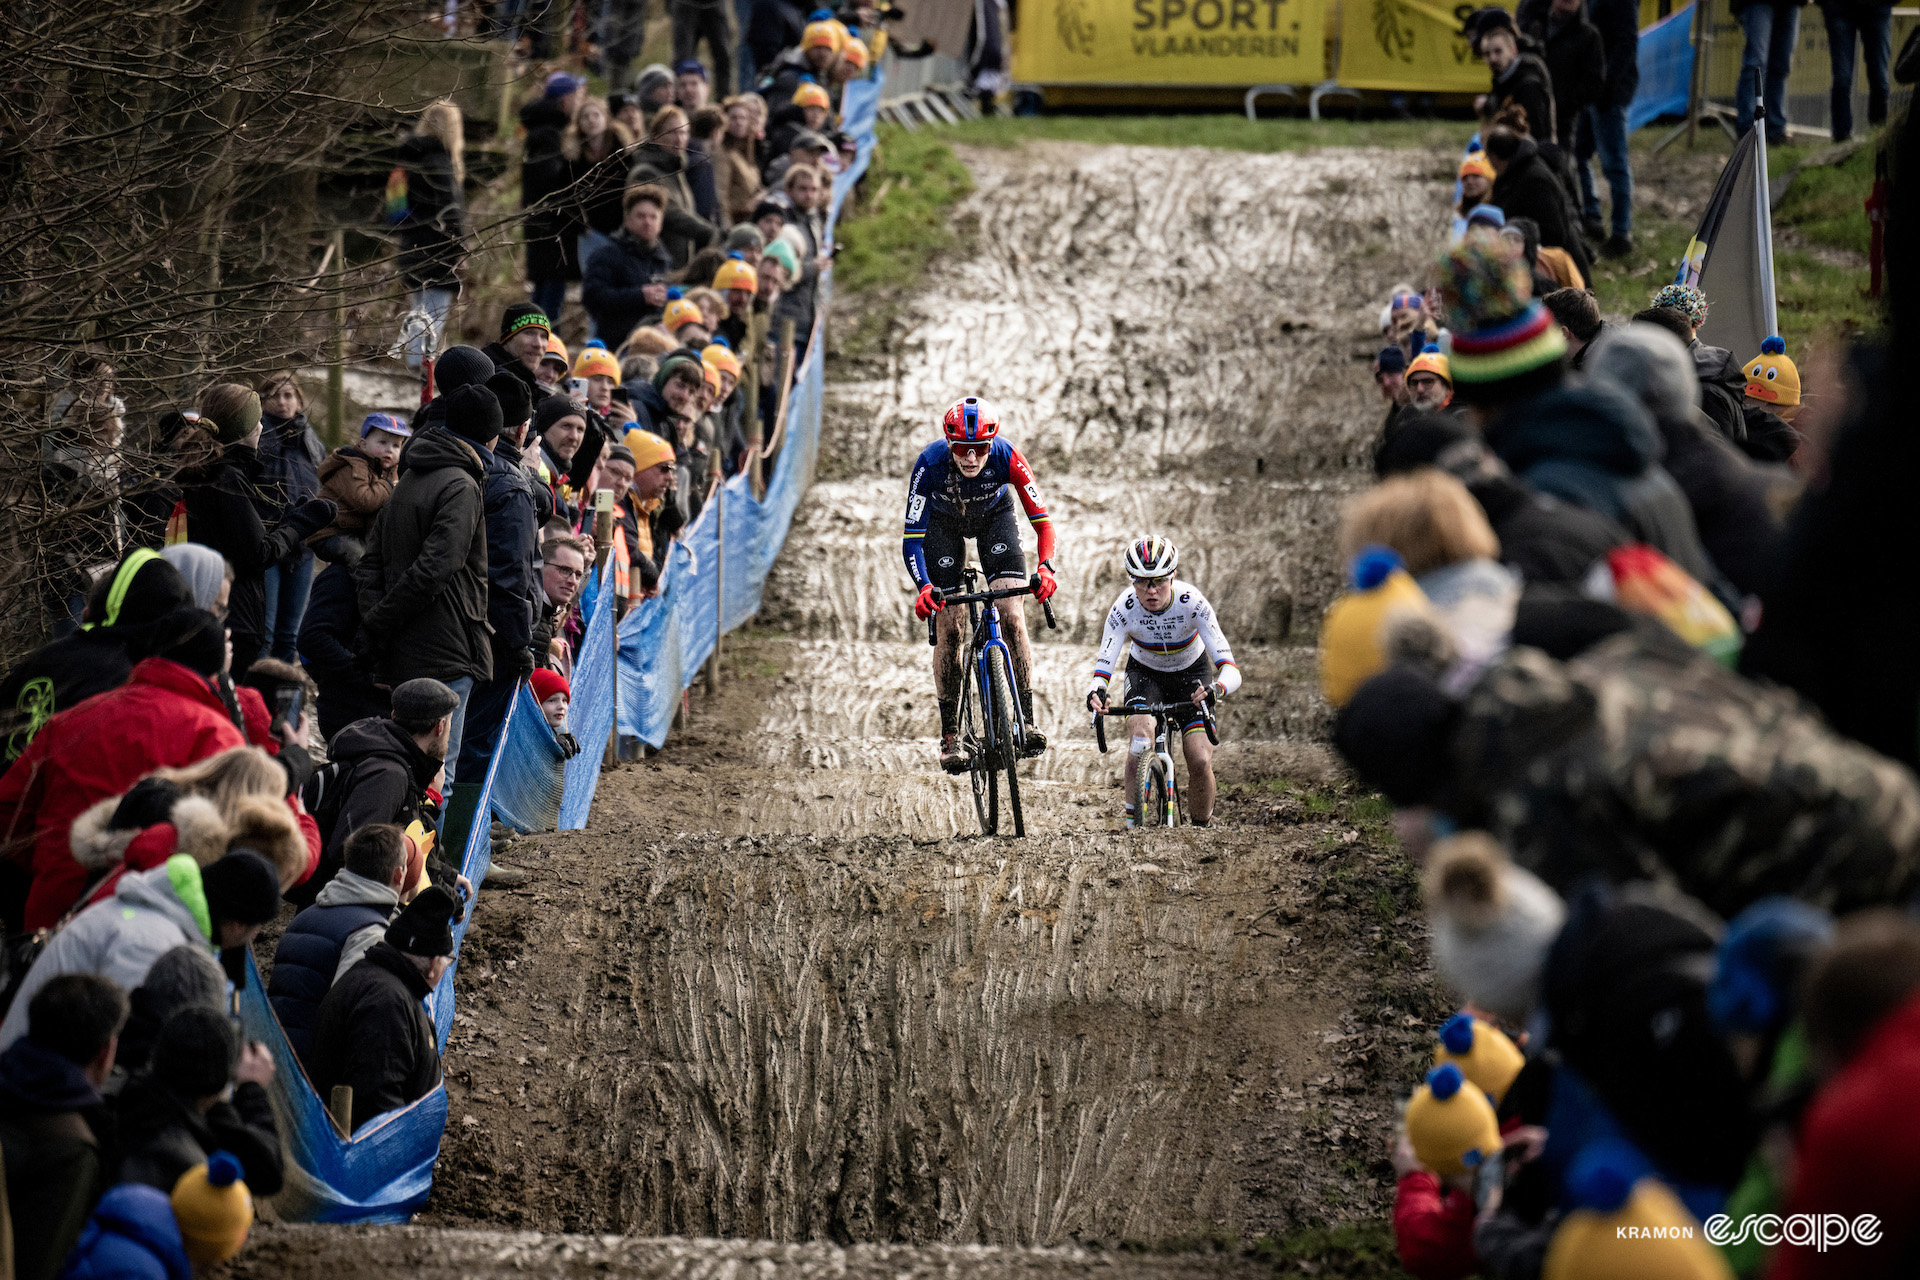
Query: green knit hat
{"type": "Point", "coordinates": [679, 358]}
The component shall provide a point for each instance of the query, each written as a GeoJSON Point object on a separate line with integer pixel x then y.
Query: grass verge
{"type": "Point", "coordinates": [915, 180]}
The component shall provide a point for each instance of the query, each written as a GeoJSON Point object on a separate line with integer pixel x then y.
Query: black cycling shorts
{"type": "Point", "coordinates": [996, 537]}
{"type": "Point", "coordinates": [1144, 684]}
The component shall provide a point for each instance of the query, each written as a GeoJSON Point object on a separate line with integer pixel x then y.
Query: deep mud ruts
{"type": "Point", "coordinates": [781, 988]}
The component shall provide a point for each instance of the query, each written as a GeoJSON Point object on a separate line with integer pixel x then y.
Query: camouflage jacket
{"type": "Point", "coordinates": [1643, 757]}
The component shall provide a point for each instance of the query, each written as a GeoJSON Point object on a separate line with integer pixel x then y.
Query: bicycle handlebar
{"type": "Point", "coordinates": [982, 597]}
{"type": "Point", "coordinates": [1152, 708]}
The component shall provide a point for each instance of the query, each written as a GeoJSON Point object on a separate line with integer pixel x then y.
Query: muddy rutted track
{"type": "Point", "coordinates": [777, 990]}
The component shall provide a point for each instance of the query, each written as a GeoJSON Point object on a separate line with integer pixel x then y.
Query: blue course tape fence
{"type": "Point", "coordinates": [383, 1172]}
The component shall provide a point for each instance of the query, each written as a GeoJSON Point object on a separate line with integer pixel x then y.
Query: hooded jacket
{"type": "Point", "coordinates": [1529, 84]}
{"type": "Point", "coordinates": [165, 1135]}
{"type": "Point", "coordinates": [358, 487]}
{"type": "Point", "coordinates": [48, 1109]}
{"type": "Point", "coordinates": [133, 1235]}
{"type": "Point", "coordinates": [513, 554]}
{"type": "Point", "coordinates": [383, 777]}
{"type": "Point", "coordinates": [1597, 448]}
{"type": "Point", "coordinates": [423, 581]}
{"type": "Point", "coordinates": [150, 913]}
{"type": "Point", "coordinates": [165, 715]}
{"type": "Point", "coordinates": [194, 827]}
{"type": "Point", "coordinates": [374, 1034]}
{"type": "Point", "coordinates": [1643, 758]}
{"type": "Point", "coordinates": [1576, 63]}
{"type": "Point", "coordinates": [323, 942]}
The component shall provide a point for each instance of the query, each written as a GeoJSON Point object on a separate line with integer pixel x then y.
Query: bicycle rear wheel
{"type": "Point", "coordinates": [986, 788]}
{"type": "Point", "coordinates": [1009, 752]}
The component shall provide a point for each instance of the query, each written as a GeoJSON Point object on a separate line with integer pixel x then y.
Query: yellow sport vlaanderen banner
{"type": "Point", "coordinates": [1405, 44]}
{"type": "Point", "coordinates": [1170, 42]}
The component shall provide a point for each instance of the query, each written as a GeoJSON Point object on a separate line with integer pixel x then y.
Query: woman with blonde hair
{"type": "Point", "coordinates": [595, 149]}
{"type": "Point", "coordinates": [737, 163]}
{"type": "Point", "coordinates": [232, 800]}
{"type": "Point", "coordinates": [432, 218]}
{"type": "Point", "coordinates": [1442, 537]}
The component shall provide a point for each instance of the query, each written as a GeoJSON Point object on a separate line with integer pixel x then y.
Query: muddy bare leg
{"type": "Point", "coordinates": [946, 664]}
{"type": "Point", "coordinates": [1200, 788]}
{"type": "Point", "coordinates": [1140, 734]}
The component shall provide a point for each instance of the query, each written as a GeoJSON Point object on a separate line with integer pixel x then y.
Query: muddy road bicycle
{"type": "Point", "coordinates": [1156, 789]}
{"type": "Point", "coordinates": [998, 741]}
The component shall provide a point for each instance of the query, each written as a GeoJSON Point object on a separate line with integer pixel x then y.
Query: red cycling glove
{"type": "Point", "coordinates": [924, 604]}
{"type": "Point", "coordinates": [1048, 585]}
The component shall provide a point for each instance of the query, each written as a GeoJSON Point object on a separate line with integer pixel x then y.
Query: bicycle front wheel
{"type": "Point", "coordinates": [1003, 713]}
{"type": "Point", "coordinates": [1164, 811]}
{"type": "Point", "coordinates": [986, 788]}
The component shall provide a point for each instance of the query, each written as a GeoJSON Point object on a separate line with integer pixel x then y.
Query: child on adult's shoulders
{"type": "Point", "coordinates": [359, 479]}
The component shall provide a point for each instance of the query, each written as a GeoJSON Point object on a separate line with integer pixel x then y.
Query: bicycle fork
{"type": "Point", "coordinates": [983, 677]}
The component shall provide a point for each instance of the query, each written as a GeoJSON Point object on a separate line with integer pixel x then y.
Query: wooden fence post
{"type": "Point", "coordinates": [337, 366]}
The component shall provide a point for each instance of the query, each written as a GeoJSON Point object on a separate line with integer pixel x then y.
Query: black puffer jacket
{"type": "Point", "coordinates": [1528, 84]}
{"type": "Point", "coordinates": [1723, 389]}
{"type": "Point", "coordinates": [374, 1035]}
{"type": "Point", "coordinates": [1541, 537]}
{"type": "Point", "coordinates": [423, 581]}
{"type": "Point", "coordinates": [1576, 59]}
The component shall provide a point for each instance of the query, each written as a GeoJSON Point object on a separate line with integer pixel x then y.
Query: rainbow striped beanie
{"type": "Point", "coordinates": [1499, 330]}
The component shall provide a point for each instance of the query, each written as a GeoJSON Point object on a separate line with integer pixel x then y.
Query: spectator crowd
{"type": "Point", "coordinates": [277, 678]}
{"type": "Point", "coordinates": [1598, 649]}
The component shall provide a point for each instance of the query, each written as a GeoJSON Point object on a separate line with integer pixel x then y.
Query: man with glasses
{"type": "Point", "coordinates": [1179, 654]}
{"type": "Point", "coordinates": [963, 487]}
{"type": "Point", "coordinates": [566, 556]}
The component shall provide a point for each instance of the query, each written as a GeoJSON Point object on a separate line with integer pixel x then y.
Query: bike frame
{"type": "Point", "coordinates": [1162, 753]}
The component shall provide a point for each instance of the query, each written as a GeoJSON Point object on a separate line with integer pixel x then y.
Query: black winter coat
{"type": "Point", "coordinates": [230, 509]}
{"type": "Point", "coordinates": [165, 1135]}
{"type": "Point", "coordinates": [374, 1035]}
{"type": "Point", "coordinates": [550, 223]}
{"type": "Point", "coordinates": [327, 638]}
{"type": "Point", "coordinates": [1723, 389]}
{"type": "Point", "coordinates": [1541, 537]}
{"type": "Point", "coordinates": [433, 235]}
{"type": "Point", "coordinates": [599, 186]}
{"type": "Point", "coordinates": [383, 777]}
{"type": "Point", "coordinates": [1618, 22]}
{"type": "Point", "coordinates": [513, 533]}
{"type": "Point", "coordinates": [1528, 84]}
{"type": "Point", "coordinates": [423, 581]}
{"type": "Point", "coordinates": [773, 27]}
{"type": "Point", "coordinates": [1577, 63]}
{"type": "Point", "coordinates": [53, 678]}
{"type": "Point", "coordinates": [611, 289]}
{"type": "Point", "coordinates": [1529, 189]}
{"type": "Point", "coordinates": [1729, 500]}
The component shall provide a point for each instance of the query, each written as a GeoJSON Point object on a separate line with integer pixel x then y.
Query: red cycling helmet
{"type": "Point", "coordinates": [971, 421]}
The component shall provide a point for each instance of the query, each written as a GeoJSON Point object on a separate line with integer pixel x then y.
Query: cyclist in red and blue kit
{"type": "Point", "coordinates": [963, 487]}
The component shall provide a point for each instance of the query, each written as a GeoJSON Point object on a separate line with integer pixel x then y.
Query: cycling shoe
{"type": "Point", "coordinates": [1036, 743]}
{"type": "Point", "coordinates": [952, 758]}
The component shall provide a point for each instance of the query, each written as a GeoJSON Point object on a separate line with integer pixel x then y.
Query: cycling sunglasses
{"type": "Point", "coordinates": [971, 450]}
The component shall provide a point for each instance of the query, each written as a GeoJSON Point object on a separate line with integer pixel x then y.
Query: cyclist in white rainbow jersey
{"type": "Point", "coordinates": [1179, 654]}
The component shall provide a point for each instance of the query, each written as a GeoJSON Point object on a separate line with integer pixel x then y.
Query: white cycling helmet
{"type": "Point", "coordinates": [1152, 557]}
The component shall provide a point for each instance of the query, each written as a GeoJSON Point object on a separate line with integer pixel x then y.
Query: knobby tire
{"type": "Point", "coordinates": [1009, 753]}
{"type": "Point", "coordinates": [986, 788]}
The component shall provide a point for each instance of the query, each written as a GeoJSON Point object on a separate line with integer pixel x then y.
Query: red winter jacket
{"type": "Point", "coordinates": [1859, 1153]}
{"type": "Point", "coordinates": [165, 715]}
{"type": "Point", "coordinates": [1433, 1229]}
